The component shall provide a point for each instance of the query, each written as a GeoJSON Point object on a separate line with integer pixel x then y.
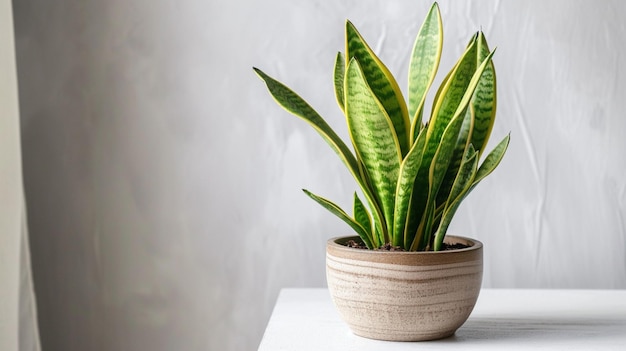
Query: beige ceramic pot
{"type": "Point", "coordinates": [404, 296]}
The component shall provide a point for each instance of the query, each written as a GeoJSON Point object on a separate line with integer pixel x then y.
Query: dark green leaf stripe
{"type": "Point", "coordinates": [381, 82]}
{"type": "Point", "coordinates": [484, 101]}
{"type": "Point", "coordinates": [424, 61]}
{"type": "Point", "coordinates": [338, 78]}
{"type": "Point", "coordinates": [408, 170]}
{"type": "Point", "coordinates": [336, 210]}
{"type": "Point", "coordinates": [376, 144]}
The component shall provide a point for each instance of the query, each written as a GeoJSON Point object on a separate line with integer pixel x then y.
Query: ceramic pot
{"type": "Point", "coordinates": [404, 296]}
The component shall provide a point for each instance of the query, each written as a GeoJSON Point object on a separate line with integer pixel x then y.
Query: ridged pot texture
{"type": "Point", "coordinates": [404, 296]}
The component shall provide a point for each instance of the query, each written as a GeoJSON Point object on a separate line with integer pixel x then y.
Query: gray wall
{"type": "Point", "coordinates": [163, 183]}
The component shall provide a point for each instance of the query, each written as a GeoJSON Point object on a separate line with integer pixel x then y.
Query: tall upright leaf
{"type": "Point", "coordinates": [436, 172]}
{"type": "Point", "coordinates": [462, 143]}
{"type": "Point", "coordinates": [452, 93]}
{"type": "Point", "coordinates": [424, 63]}
{"type": "Point", "coordinates": [460, 189]}
{"type": "Point", "coordinates": [404, 189]}
{"type": "Point", "coordinates": [449, 98]}
{"type": "Point", "coordinates": [371, 131]}
{"type": "Point", "coordinates": [382, 83]}
{"type": "Point", "coordinates": [484, 100]}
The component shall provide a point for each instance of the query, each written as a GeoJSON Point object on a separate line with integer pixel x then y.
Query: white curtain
{"type": "Point", "coordinates": [18, 322]}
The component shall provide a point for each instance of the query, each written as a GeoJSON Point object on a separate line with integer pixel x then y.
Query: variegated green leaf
{"type": "Point", "coordinates": [293, 103]}
{"type": "Point", "coordinates": [382, 83]}
{"type": "Point", "coordinates": [465, 136]}
{"type": "Point", "coordinates": [408, 170]}
{"type": "Point", "coordinates": [460, 189]}
{"type": "Point", "coordinates": [338, 78]}
{"type": "Point", "coordinates": [448, 97]}
{"type": "Point", "coordinates": [419, 201]}
{"type": "Point", "coordinates": [460, 141]}
{"type": "Point", "coordinates": [361, 215]}
{"type": "Point", "coordinates": [469, 183]}
{"type": "Point", "coordinates": [442, 157]}
{"type": "Point", "coordinates": [492, 160]}
{"type": "Point", "coordinates": [420, 242]}
{"type": "Point", "coordinates": [465, 174]}
{"type": "Point", "coordinates": [336, 210]}
{"type": "Point", "coordinates": [483, 104]}
{"type": "Point", "coordinates": [437, 170]}
{"type": "Point", "coordinates": [462, 144]}
{"type": "Point", "coordinates": [452, 93]}
{"type": "Point", "coordinates": [443, 85]}
{"type": "Point", "coordinates": [372, 134]}
{"type": "Point", "coordinates": [424, 63]}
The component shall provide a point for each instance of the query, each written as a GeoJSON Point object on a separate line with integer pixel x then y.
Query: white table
{"type": "Point", "coordinates": [305, 319]}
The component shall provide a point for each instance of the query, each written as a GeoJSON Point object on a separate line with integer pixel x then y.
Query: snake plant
{"type": "Point", "coordinates": [412, 174]}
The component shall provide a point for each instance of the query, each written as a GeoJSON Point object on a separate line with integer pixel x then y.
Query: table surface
{"type": "Point", "coordinates": [503, 319]}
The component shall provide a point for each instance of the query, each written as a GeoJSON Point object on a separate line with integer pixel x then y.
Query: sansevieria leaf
{"type": "Point", "coordinates": [462, 143]}
{"type": "Point", "coordinates": [492, 160]}
{"type": "Point", "coordinates": [382, 83]}
{"type": "Point", "coordinates": [460, 189]}
{"type": "Point", "coordinates": [437, 170]}
{"type": "Point", "coordinates": [336, 210]}
{"type": "Point", "coordinates": [448, 98]}
{"type": "Point", "coordinates": [435, 176]}
{"type": "Point", "coordinates": [424, 63]}
{"type": "Point", "coordinates": [483, 104]}
{"type": "Point", "coordinates": [293, 103]}
{"type": "Point", "coordinates": [338, 78]}
{"type": "Point", "coordinates": [408, 170]}
{"type": "Point", "coordinates": [453, 91]}
{"type": "Point", "coordinates": [466, 174]}
{"type": "Point", "coordinates": [371, 131]}
{"type": "Point", "coordinates": [361, 215]}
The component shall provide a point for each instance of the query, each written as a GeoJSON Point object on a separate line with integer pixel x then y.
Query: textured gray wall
{"type": "Point", "coordinates": [163, 183]}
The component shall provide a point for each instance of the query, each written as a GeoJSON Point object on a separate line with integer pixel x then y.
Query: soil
{"type": "Point", "coordinates": [389, 247]}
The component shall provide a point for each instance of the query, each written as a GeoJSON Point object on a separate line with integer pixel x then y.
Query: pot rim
{"type": "Point", "coordinates": [336, 249]}
{"type": "Point", "coordinates": [473, 245]}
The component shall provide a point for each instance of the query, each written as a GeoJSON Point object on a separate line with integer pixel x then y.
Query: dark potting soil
{"type": "Point", "coordinates": [389, 247]}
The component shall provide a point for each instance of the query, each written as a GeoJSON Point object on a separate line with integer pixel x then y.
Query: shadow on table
{"type": "Point", "coordinates": [555, 329]}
